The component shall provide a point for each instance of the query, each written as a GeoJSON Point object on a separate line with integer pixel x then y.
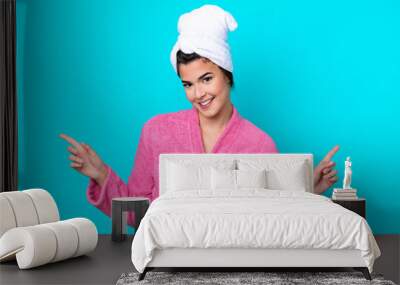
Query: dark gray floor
{"type": "Point", "coordinates": [111, 259]}
{"type": "Point", "coordinates": [389, 262]}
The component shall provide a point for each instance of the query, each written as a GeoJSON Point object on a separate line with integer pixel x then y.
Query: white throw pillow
{"type": "Point", "coordinates": [189, 175]}
{"type": "Point", "coordinates": [223, 179]}
{"type": "Point", "coordinates": [237, 179]}
{"type": "Point", "coordinates": [251, 178]}
{"type": "Point", "coordinates": [292, 179]}
{"type": "Point", "coordinates": [291, 174]}
{"type": "Point", "coordinates": [181, 177]}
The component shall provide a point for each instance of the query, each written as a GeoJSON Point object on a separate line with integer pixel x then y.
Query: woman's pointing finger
{"type": "Point", "coordinates": [78, 146]}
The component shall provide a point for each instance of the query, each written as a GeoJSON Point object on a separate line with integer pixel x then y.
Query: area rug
{"type": "Point", "coordinates": [269, 278]}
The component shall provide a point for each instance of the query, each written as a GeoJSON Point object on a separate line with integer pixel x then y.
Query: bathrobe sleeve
{"type": "Point", "coordinates": [140, 181]}
{"type": "Point", "coordinates": [267, 145]}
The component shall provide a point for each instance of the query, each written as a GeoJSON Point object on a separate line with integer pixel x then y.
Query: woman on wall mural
{"type": "Point", "coordinates": [202, 60]}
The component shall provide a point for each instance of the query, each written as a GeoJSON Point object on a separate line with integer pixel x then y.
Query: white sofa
{"type": "Point", "coordinates": [31, 231]}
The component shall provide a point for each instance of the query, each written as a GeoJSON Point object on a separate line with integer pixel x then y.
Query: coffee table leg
{"type": "Point", "coordinates": [117, 222]}
{"type": "Point", "coordinates": [124, 224]}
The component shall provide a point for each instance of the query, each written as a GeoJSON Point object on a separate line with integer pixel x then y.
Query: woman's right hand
{"type": "Point", "coordinates": [85, 160]}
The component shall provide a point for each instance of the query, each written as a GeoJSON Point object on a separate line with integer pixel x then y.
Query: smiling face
{"type": "Point", "coordinates": [206, 87]}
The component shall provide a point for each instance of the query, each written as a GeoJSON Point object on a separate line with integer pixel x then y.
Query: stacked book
{"type": "Point", "coordinates": [344, 194]}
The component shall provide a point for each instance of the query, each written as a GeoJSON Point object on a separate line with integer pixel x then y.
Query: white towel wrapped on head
{"type": "Point", "coordinates": [204, 31]}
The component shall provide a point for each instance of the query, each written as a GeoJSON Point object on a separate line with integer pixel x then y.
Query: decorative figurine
{"type": "Point", "coordinates": [347, 174]}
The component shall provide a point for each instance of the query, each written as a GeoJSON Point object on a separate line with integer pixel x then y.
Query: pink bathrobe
{"type": "Point", "coordinates": [177, 132]}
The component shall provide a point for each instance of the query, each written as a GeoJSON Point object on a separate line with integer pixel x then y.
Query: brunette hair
{"type": "Point", "coordinates": [185, 58]}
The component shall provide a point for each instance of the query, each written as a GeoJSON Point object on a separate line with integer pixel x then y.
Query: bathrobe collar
{"type": "Point", "coordinates": [229, 130]}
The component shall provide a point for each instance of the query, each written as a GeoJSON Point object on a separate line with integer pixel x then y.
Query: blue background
{"type": "Point", "coordinates": [311, 74]}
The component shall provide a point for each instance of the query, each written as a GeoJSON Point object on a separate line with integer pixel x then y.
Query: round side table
{"type": "Point", "coordinates": [120, 207]}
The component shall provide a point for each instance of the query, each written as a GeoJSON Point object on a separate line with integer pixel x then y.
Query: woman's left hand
{"type": "Point", "coordinates": [324, 174]}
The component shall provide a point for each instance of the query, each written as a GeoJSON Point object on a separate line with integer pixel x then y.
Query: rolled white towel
{"type": "Point", "coordinates": [40, 244]}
